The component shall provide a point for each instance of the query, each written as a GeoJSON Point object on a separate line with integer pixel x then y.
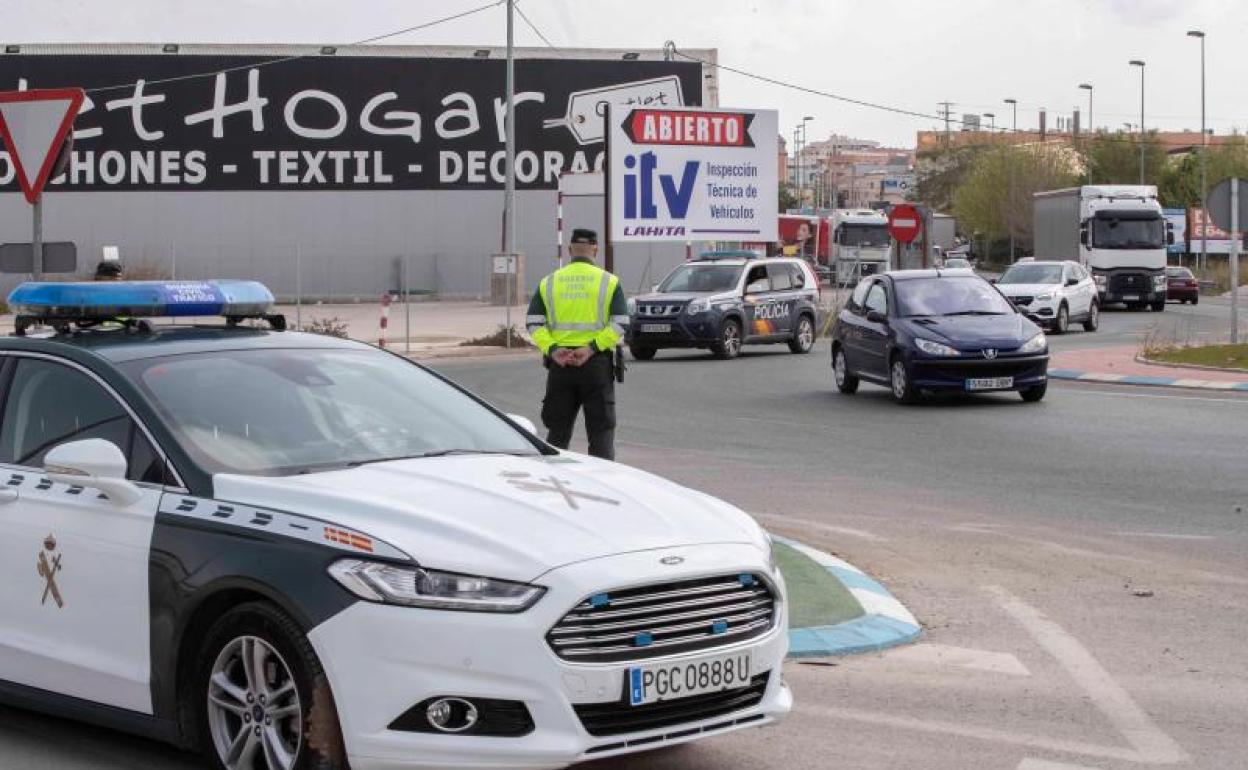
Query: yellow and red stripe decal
{"type": "Point", "coordinates": [350, 539]}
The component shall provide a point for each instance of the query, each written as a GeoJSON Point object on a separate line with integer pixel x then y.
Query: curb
{"type": "Point", "coordinates": [1147, 380]}
{"type": "Point", "coordinates": [452, 352]}
{"type": "Point", "coordinates": [1196, 367]}
{"type": "Point", "coordinates": [887, 623]}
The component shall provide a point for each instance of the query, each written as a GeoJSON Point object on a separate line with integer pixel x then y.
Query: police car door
{"type": "Point", "coordinates": [784, 296]}
{"type": "Point", "coordinates": [74, 611]}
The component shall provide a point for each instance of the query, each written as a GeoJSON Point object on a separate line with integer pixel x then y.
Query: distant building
{"type": "Point", "coordinates": [845, 172]}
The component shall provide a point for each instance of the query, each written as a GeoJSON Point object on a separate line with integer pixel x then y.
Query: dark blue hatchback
{"type": "Point", "coordinates": [937, 331]}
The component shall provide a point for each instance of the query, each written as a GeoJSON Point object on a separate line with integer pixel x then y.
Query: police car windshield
{"type": "Point", "coordinates": [281, 412]}
{"type": "Point", "coordinates": [701, 278]}
{"type": "Point", "coordinates": [949, 296]}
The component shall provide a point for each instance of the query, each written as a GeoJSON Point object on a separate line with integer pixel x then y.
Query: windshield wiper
{"type": "Point", "coordinates": [447, 452]}
{"type": "Point", "coordinates": [974, 312]}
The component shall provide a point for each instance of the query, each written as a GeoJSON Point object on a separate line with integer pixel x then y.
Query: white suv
{"type": "Point", "coordinates": [1053, 293]}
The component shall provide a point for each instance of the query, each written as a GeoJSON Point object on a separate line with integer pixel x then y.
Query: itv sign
{"type": "Point", "coordinates": [681, 174]}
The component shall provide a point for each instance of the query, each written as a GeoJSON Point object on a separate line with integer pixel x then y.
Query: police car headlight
{"type": "Point", "coordinates": [632, 306]}
{"type": "Point", "coordinates": [698, 306]}
{"type": "Point", "coordinates": [934, 348]}
{"type": "Point", "coordinates": [420, 587]}
{"type": "Point", "coordinates": [1035, 345]}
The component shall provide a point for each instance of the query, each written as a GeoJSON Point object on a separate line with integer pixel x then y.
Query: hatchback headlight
{"type": "Point", "coordinates": [934, 348]}
{"type": "Point", "coordinates": [698, 306]}
{"type": "Point", "coordinates": [419, 587]}
{"type": "Point", "coordinates": [1035, 344]}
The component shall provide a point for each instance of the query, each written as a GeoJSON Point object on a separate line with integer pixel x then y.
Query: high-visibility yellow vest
{"type": "Point", "coordinates": [577, 297]}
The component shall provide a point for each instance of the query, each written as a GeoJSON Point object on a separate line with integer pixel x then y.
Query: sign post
{"type": "Point", "coordinates": [34, 125]}
{"type": "Point", "coordinates": [682, 174]}
{"type": "Point", "coordinates": [1229, 209]}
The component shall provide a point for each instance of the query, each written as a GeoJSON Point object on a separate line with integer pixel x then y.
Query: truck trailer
{"type": "Point", "coordinates": [1117, 231]}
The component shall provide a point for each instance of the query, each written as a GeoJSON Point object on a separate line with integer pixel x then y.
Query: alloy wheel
{"type": "Point", "coordinates": [254, 714]}
{"type": "Point", "coordinates": [805, 334]}
{"type": "Point", "coordinates": [900, 380]}
{"type": "Point", "coordinates": [838, 368]}
{"type": "Point", "coordinates": [732, 339]}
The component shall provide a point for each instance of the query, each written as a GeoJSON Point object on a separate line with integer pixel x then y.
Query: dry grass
{"type": "Point", "coordinates": [1219, 356]}
{"type": "Point", "coordinates": [498, 339]}
{"type": "Point", "coordinates": [330, 327]}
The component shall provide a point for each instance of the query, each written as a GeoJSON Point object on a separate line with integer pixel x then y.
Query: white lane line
{"type": "Point", "coordinates": [1043, 764]}
{"type": "Point", "coordinates": [960, 657]}
{"type": "Point", "coordinates": [789, 521]}
{"type": "Point", "coordinates": [1168, 535]}
{"type": "Point", "coordinates": [1152, 745]}
{"type": "Point", "coordinates": [989, 734]}
{"type": "Point", "coordinates": [1123, 394]}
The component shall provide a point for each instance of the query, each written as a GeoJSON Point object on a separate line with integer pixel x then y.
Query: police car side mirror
{"type": "Point", "coordinates": [96, 464]}
{"type": "Point", "coordinates": [523, 422]}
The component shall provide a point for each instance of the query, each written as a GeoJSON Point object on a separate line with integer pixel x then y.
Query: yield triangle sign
{"type": "Point", "coordinates": [33, 125]}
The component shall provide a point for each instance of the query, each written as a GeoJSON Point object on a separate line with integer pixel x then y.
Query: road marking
{"type": "Point", "coordinates": [1169, 535]}
{"type": "Point", "coordinates": [1115, 703]}
{"type": "Point", "coordinates": [960, 657]}
{"type": "Point", "coordinates": [780, 521]}
{"type": "Point", "coordinates": [1044, 764]}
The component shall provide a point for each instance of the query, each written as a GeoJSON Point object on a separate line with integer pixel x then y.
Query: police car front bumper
{"type": "Point", "coordinates": [683, 331]}
{"type": "Point", "coordinates": [381, 660]}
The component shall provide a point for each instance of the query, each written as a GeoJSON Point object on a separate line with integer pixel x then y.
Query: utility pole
{"type": "Point", "coordinates": [804, 121]}
{"type": "Point", "coordinates": [946, 111]}
{"type": "Point", "coordinates": [1204, 151]}
{"type": "Point", "coordinates": [1139, 63]}
{"type": "Point", "coordinates": [1010, 195]}
{"type": "Point", "coordinates": [509, 192]}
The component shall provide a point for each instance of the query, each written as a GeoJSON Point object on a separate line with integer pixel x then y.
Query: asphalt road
{"type": "Point", "coordinates": [1078, 564]}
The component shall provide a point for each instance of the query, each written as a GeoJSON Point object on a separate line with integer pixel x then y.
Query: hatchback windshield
{"type": "Point", "coordinates": [1032, 273]}
{"type": "Point", "coordinates": [949, 296]}
{"type": "Point", "coordinates": [701, 278]}
{"type": "Point", "coordinates": [277, 412]}
{"type": "Point", "coordinates": [1113, 233]}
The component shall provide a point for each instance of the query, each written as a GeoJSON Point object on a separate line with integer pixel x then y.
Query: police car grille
{"type": "Point", "coordinates": [658, 311]}
{"type": "Point", "coordinates": [665, 619]}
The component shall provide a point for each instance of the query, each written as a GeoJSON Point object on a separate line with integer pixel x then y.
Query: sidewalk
{"type": "Point", "coordinates": [1119, 365]}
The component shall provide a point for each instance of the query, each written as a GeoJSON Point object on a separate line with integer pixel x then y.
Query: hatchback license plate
{"type": "Point", "coordinates": [990, 383]}
{"type": "Point", "coordinates": [668, 681]}
{"type": "Point", "coordinates": [656, 328]}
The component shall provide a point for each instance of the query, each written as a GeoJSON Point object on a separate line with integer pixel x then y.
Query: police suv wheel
{"type": "Point", "coordinates": [729, 344]}
{"type": "Point", "coordinates": [260, 698]}
{"type": "Point", "coordinates": [804, 338]}
{"type": "Point", "coordinates": [642, 354]}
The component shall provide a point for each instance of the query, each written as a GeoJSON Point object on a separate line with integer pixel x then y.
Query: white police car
{"type": "Point", "coordinates": [294, 551]}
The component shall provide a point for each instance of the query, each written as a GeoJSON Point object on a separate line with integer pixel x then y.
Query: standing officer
{"type": "Point", "coordinates": [577, 319]}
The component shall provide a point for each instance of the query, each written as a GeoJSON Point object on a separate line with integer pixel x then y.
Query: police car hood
{"type": "Point", "coordinates": [676, 297]}
{"type": "Point", "coordinates": [506, 517]}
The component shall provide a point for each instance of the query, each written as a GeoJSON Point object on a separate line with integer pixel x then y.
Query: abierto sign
{"type": "Point", "coordinates": [693, 175]}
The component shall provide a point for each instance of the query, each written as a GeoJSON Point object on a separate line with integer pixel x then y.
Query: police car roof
{"type": "Point", "coordinates": [118, 345]}
{"type": "Point", "coordinates": [952, 272]}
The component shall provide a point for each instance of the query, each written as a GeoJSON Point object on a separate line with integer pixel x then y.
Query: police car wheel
{"type": "Point", "coordinates": [804, 338]}
{"type": "Point", "coordinates": [729, 345]}
{"type": "Point", "coordinates": [260, 697]}
{"type": "Point", "coordinates": [642, 354]}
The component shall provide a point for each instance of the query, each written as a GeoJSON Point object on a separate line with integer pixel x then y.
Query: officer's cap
{"type": "Point", "coordinates": [584, 235]}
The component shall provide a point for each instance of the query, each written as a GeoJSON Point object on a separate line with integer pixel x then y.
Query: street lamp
{"type": "Point", "coordinates": [1204, 149]}
{"type": "Point", "coordinates": [992, 121]}
{"type": "Point", "coordinates": [1140, 64]}
{"type": "Point", "coordinates": [802, 164]}
{"type": "Point", "coordinates": [1014, 103]}
{"type": "Point", "coordinates": [1088, 87]}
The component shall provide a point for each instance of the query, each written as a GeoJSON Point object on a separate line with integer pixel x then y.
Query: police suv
{"type": "Point", "coordinates": [724, 300]}
{"type": "Point", "coordinates": [294, 551]}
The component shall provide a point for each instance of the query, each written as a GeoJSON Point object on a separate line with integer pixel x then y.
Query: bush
{"type": "Point", "coordinates": [498, 339]}
{"type": "Point", "coordinates": [330, 327]}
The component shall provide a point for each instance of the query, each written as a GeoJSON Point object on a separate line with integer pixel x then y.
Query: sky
{"type": "Point", "coordinates": [908, 54]}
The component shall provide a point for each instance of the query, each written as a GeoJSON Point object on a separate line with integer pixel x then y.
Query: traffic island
{"type": "Point", "coordinates": [835, 608]}
{"type": "Point", "coordinates": [1125, 365]}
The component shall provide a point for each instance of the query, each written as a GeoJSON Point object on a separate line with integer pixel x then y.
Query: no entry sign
{"type": "Point", "coordinates": [904, 223]}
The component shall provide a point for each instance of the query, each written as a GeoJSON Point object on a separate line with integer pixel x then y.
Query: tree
{"type": "Point", "coordinates": [787, 199]}
{"type": "Point", "coordinates": [995, 196]}
{"type": "Point", "coordinates": [1115, 159]}
{"type": "Point", "coordinates": [940, 173]}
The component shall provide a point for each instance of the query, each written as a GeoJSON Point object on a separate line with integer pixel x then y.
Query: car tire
{"type": "Point", "coordinates": [729, 344]}
{"type": "Point", "coordinates": [1196, 299]}
{"type": "Point", "coordinates": [1093, 321]}
{"type": "Point", "coordinates": [804, 338]}
{"type": "Point", "coordinates": [226, 698]}
{"type": "Point", "coordinates": [845, 382]}
{"type": "Point", "coordinates": [1061, 324]}
{"type": "Point", "coordinates": [1159, 307]}
{"type": "Point", "coordinates": [642, 354]}
{"type": "Point", "coordinates": [1032, 395]}
{"type": "Point", "coordinates": [900, 383]}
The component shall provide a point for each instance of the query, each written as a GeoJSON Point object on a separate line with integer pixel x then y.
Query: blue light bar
{"type": "Point", "coordinates": [144, 299]}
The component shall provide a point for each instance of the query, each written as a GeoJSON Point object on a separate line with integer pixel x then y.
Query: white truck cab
{"type": "Point", "coordinates": [860, 244]}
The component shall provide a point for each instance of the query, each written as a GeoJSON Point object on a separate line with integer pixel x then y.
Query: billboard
{"type": "Point", "coordinates": [692, 174]}
{"type": "Point", "coordinates": [1218, 241]}
{"type": "Point", "coordinates": [246, 122]}
{"type": "Point", "coordinates": [1177, 219]}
